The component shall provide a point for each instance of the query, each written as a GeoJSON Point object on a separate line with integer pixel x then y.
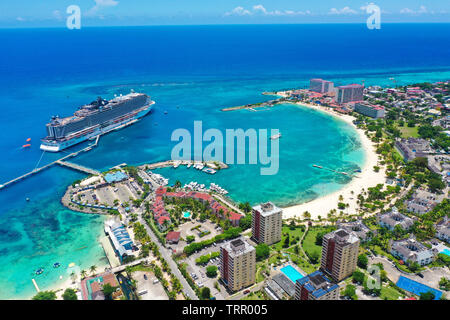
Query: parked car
{"type": "Point", "coordinates": [246, 291]}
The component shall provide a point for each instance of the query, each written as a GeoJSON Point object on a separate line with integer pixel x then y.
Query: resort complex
{"type": "Point", "coordinates": [168, 240]}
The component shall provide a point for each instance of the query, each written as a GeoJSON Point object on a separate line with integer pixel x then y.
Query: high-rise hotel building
{"type": "Point", "coordinates": [339, 254]}
{"type": "Point", "coordinates": [267, 222]}
{"type": "Point", "coordinates": [349, 93]}
{"type": "Point", "coordinates": [237, 264]}
{"type": "Point", "coordinates": [321, 86]}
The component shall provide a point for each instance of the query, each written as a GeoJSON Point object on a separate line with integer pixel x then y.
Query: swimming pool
{"type": "Point", "coordinates": [186, 214]}
{"type": "Point", "coordinates": [446, 251]}
{"type": "Point", "coordinates": [291, 273]}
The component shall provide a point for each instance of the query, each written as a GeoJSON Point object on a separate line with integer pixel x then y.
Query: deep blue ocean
{"type": "Point", "coordinates": [191, 72]}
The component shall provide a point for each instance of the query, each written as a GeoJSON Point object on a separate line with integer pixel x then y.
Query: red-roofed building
{"type": "Point", "coordinates": [162, 222]}
{"type": "Point", "coordinates": [173, 237]}
{"type": "Point", "coordinates": [160, 191]}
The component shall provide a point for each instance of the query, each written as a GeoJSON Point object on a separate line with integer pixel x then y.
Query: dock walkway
{"type": "Point", "coordinates": [78, 167]}
{"type": "Point", "coordinates": [60, 162]}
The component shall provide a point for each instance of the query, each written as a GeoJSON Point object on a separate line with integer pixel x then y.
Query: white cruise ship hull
{"type": "Point", "coordinates": [57, 146]}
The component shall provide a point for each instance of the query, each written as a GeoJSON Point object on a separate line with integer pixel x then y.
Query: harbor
{"type": "Point", "coordinates": [60, 162]}
{"type": "Point", "coordinates": [210, 167]}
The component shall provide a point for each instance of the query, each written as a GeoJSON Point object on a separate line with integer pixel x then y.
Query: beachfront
{"type": "Point", "coordinates": [367, 178]}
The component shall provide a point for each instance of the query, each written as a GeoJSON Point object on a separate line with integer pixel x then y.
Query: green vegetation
{"type": "Point", "coordinates": [358, 277]}
{"type": "Point", "coordinates": [312, 243]}
{"type": "Point", "coordinates": [108, 291]}
{"type": "Point", "coordinates": [409, 132]}
{"type": "Point", "coordinates": [205, 258]}
{"type": "Point", "coordinates": [444, 284]}
{"type": "Point", "coordinates": [262, 252]}
{"type": "Point", "coordinates": [363, 261]}
{"type": "Point", "coordinates": [205, 293]}
{"type": "Point", "coordinates": [211, 271]}
{"type": "Point", "coordinates": [389, 293]}
{"type": "Point", "coordinates": [350, 291]}
{"type": "Point", "coordinates": [258, 295]}
{"type": "Point", "coordinates": [231, 233]}
{"type": "Point", "coordinates": [45, 295]}
{"type": "Point", "coordinates": [70, 294]}
{"type": "Point", "coordinates": [290, 235]}
{"type": "Point", "coordinates": [427, 295]}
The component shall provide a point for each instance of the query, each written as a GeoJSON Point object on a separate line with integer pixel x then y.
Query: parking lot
{"type": "Point", "coordinates": [123, 193]}
{"type": "Point", "coordinates": [106, 195]}
{"type": "Point", "coordinates": [198, 272]}
{"type": "Point", "coordinates": [150, 288]}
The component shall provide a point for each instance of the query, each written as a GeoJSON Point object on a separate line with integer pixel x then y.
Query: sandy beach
{"type": "Point", "coordinates": [367, 178]}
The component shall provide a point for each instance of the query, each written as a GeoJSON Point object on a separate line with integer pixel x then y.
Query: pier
{"type": "Point", "coordinates": [172, 163]}
{"type": "Point", "coordinates": [35, 285]}
{"type": "Point", "coordinates": [60, 162]}
{"type": "Point", "coordinates": [252, 106]}
{"type": "Point", "coordinates": [78, 167]}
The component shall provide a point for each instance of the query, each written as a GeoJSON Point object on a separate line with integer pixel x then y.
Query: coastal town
{"type": "Point", "coordinates": [383, 236]}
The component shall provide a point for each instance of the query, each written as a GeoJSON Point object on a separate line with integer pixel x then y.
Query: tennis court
{"type": "Point", "coordinates": [416, 287]}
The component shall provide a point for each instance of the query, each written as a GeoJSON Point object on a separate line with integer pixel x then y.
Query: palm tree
{"type": "Point", "coordinates": [92, 269]}
{"type": "Point", "coordinates": [83, 274]}
{"type": "Point", "coordinates": [306, 214]}
{"type": "Point", "coordinates": [73, 276]}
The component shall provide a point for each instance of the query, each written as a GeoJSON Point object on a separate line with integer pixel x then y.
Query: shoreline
{"type": "Point", "coordinates": [322, 205]}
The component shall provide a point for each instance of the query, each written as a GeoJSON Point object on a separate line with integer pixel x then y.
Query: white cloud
{"type": "Point", "coordinates": [238, 11]}
{"type": "Point", "coordinates": [344, 10]}
{"type": "Point", "coordinates": [99, 4]}
{"type": "Point", "coordinates": [261, 10]}
{"type": "Point", "coordinates": [20, 19]}
{"type": "Point", "coordinates": [422, 10]}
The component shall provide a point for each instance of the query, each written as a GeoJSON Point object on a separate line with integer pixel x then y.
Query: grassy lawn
{"type": "Point", "coordinates": [304, 264]}
{"type": "Point", "coordinates": [409, 132]}
{"type": "Point", "coordinates": [140, 267]}
{"type": "Point", "coordinates": [309, 243]}
{"type": "Point", "coordinates": [297, 232]}
{"type": "Point", "coordinates": [254, 296]}
{"type": "Point", "coordinates": [260, 268]}
{"type": "Point", "coordinates": [389, 293]}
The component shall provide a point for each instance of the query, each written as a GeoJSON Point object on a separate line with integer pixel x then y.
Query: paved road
{"type": "Point", "coordinates": [239, 295]}
{"type": "Point", "coordinates": [167, 255]}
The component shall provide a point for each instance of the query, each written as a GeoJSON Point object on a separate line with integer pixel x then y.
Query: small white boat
{"type": "Point", "coordinates": [276, 136]}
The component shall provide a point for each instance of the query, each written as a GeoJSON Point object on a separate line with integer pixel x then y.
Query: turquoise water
{"type": "Point", "coordinates": [446, 251]}
{"type": "Point", "coordinates": [191, 72]}
{"type": "Point", "coordinates": [41, 232]}
{"type": "Point", "coordinates": [186, 214]}
{"type": "Point", "coordinates": [291, 273]}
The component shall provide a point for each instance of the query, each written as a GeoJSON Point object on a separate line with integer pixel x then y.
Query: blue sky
{"type": "Point", "coordinates": [52, 13]}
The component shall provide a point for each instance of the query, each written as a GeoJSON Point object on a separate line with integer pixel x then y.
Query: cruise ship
{"type": "Point", "coordinates": [94, 119]}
